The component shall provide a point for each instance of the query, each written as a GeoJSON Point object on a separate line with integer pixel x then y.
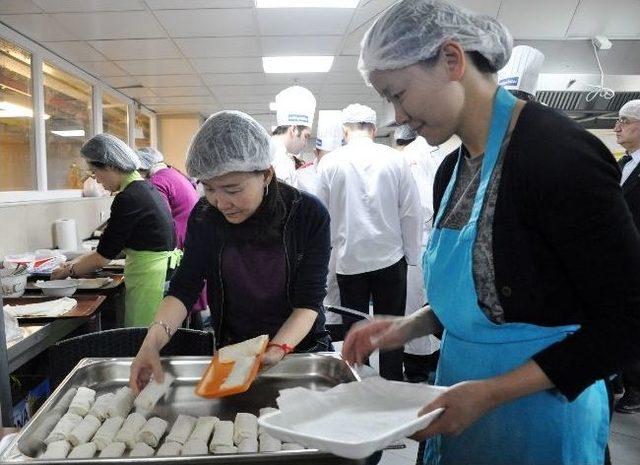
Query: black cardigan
{"type": "Point", "coordinates": [565, 247]}
{"type": "Point", "coordinates": [307, 244]}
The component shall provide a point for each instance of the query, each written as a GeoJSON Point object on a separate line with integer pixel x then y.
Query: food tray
{"type": "Point", "coordinates": [86, 307]}
{"type": "Point", "coordinates": [315, 371]}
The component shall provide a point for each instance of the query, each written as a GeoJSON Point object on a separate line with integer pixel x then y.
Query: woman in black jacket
{"type": "Point", "coordinates": [261, 245]}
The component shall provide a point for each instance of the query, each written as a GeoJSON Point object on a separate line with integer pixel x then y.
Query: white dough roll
{"type": "Point", "coordinates": [113, 450]}
{"type": "Point", "coordinates": [269, 444]}
{"type": "Point", "coordinates": [107, 432]}
{"type": "Point", "coordinates": [153, 431]}
{"type": "Point", "coordinates": [203, 429]}
{"type": "Point", "coordinates": [181, 429]}
{"type": "Point", "coordinates": [248, 446]}
{"type": "Point", "coordinates": [222, 435]}
{"type": "Point", "coordinates": [169, 449]}
{"type": "Point", "coordinates": [63, 428]}
{"type": "Point", "coordinates": [65, 401]}
{"type": "Point", "coordinates": [84, 431]}
{"type": "Point", "coordinates": [100, 406]}
{"type": "Point", "coordinates": [128, 434]}
{"type": "Point", "coordinates": [121, 403]}
{"type": "Point", "coordinates": [56, 450]}
{"type": "Point", "coordinates": [245, 426]}
{"type": "Point", "coordinates": [82, 401]}
{"type": "Point", "coordinates": [152, 393]}
{"type": "Point", "coordinates": [141, 450]}
{"type": "Point", "coordinates": [83, 451]}
{"type": "Point", "coordinates": [195, 447]}
{"type": "Point", "coordinates": [225, 450]}
{"type": "Point", "coordinates": [264, 411]}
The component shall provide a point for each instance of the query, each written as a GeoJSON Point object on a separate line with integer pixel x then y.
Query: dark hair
{"type": "Point", "coordinates": [284, 128]}
{"type": "Point", "coordinates": [478, 59]}
{"type": "Point", "coordinates": [361, 126]}
{"type": "Point", "coordinates": [403, 142]}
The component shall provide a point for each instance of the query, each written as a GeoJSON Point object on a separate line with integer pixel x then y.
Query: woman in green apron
{"type": "Point", "coordinates": [140, 224]}
{"type": "Point", "coordinates": [533, 266]}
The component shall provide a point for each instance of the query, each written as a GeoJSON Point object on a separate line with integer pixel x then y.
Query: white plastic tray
{"type": "Point", "coordinates": [352, 420]}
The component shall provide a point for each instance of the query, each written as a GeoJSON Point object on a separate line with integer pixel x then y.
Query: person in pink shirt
{"type": "Point", "coordinates": [179, 192]}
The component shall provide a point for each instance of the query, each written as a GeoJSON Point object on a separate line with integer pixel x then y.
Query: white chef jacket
{"type": "Point", "coordinates": [374, 205]}
{"type": "Point", "coordinates": [308, 178]}
{"type": "Point", "coordinates": [630, 166]}
{"type": "Point", "coordinates": [283, 163]}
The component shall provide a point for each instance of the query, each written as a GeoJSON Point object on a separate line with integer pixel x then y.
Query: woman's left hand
{"type": "Point", "coordinates": [271, 357]}
{"type": "Point", "coordinates": [62, 272]}
{"type": "Point", "coordinates": [463, 404]}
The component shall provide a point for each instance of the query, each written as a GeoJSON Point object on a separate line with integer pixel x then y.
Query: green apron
{"type": "Point", "coordinates": [145, 273]}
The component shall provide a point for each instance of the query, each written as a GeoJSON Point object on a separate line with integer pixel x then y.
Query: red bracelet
{"type": "Point", "coordinates": [286, 348]}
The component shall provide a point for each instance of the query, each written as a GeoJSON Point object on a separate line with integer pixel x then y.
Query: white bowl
{"type": "Point", "coordinates": [58, 287]}
{"type": "Point", "coordinates": [14, 285]}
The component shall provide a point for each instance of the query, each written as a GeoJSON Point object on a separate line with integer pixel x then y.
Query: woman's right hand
{"type": "Point", "coordinates": [385, 333]}
{"type": "Point", "coordinates": [146, 364]}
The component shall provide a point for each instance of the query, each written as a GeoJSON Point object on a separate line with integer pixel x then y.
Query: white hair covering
{"type": "Point", "coordinates": [110, 151]}
{"type": "Point", "coordinates": [228, 141]}
{"type": "Point", "coordinates": [631, 109]}
{"type": "Point", "coordinates": [414, 30]}
{"type": "Point", "coordinates": [149, 157]}
{"type": "Point", "coordinates": [356, 113]}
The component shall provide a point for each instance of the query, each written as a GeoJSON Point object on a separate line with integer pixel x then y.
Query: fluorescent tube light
{"type": "Point", "coordinates": [69, 133]}
{"type": "Point", "coordinates": [307, 3]}
{"type": "Point", "coordinates": [300, 64]}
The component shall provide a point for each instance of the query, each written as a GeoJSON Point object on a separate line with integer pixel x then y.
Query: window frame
{"type": "Point", "coordinates": [40, 54]}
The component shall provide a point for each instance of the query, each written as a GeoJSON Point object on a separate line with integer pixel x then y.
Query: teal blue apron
{"type": "Point", "coordinates": [539, 429]}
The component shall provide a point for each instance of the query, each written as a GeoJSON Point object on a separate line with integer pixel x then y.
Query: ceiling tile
{"type": "Point", "coordinates": [345, 63]}
{"type": "Point", "coordinates": [349, 89]}
{"type": "Point", "coordinates": [344, 77]}
{"type": "Point", "coordinates": [170, 80]}
{"type": "Point", "coordinates": [616, 20]}
{"type": "Point", "coordinates": [180, 91]}
{"type": "Point", "coordinates": [206, 100]}
{"type": "Point", "coordinates": [207, 23]}
{"type": "Point", "coordinates": [38, 27]}
{"type": "Point", "coordinates": [135, 49]}
{"type": "Point", "coordinates": [303, 21]}
{"type": "Point", "coordinates": [544, 19]}
{"type": "Point", "coordinates": [102, 68]}
{"type": "Point", "coordinates": [18, 6]}
{"type": "Point", "coordinates": [242, 99]}
{"type": "Point", "coordinates": [122, 81]}
{"type": "Point", "coordinates": [185, 109]}
{"type": "Point", "coordinates": [195, 4]}
{"type": "Point", "coordinates": [75, 51]}
{"type": "Point", "coordinates": [234, 79]}
{"type": "Point", "coordinates": [111, 25]}
{"type": "Point", "coordinates": [138, 92]}
{"type": "Point", "coordinates": [302, 79]}
{"type": "Point", "coordinates": [300, 45]}
{"type": "Point", "coordinates": [266, 90]}
{"type": "Point", "coordinates": [228, 65]}
{"type": "Point", "coordinates": [220, 47]}
{"type": "Point", "coordinates": [367, 11]}
{"type": "Point", "coordinates": [246, 106]}
{"type": "Point", "coordinates": [67, 6]}
{"type": "Point", "coordinates": [155, 67]}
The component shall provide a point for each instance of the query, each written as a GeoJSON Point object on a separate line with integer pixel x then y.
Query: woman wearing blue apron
{"type": "Point", "coordinates": [533, 265]}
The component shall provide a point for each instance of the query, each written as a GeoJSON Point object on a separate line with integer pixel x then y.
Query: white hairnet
{"type": "Point", "coordinates": [356, 113]}
{"type": "Point", "coordinates": [110, 151]}
{"type": "Point", "coordinates": [631, 109]}
{"type": "Point", "coordinates": [404, 132]}
{"type": "Point", "coordinates": [149, 157]}
{"type": "Point", "coordinates": [414, 30]}
{"type": "Point", "coordinates": [228, 141]}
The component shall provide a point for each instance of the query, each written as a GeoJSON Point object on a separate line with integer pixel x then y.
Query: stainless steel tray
{"type": "Point", "coordinates": [315, 371]}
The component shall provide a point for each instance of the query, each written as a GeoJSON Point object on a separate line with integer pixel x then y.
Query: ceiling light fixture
{"type": "Point", "coordinates": [69, 133]}
{"type": "Point", "coordinates": [299, 64]}
{"type": "Point", "coordinates": [307, 3]}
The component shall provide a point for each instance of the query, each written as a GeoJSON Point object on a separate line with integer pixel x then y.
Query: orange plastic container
{"type": "Point", "coordinates": [216, 374]}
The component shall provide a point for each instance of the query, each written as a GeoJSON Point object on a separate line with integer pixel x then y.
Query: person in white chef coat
{"type": "Point", "coordinates": [328, 138]}
{"type": "Point", "coordinates": [376, 221]}
{"type": "Point", "coordinates": [295, 109]}
{"type": "Point", "coordinates": [421, 354]}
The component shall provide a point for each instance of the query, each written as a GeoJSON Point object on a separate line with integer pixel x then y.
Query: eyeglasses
{"type": "Point", "coordinates": [625, 121]}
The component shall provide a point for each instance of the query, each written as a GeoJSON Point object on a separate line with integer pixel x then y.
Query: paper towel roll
{"type": "Point", "coordinates": [66, 234]}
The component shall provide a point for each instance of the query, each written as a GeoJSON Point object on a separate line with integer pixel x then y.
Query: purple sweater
{"type": "Point", "coordinates": [180, 195]}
